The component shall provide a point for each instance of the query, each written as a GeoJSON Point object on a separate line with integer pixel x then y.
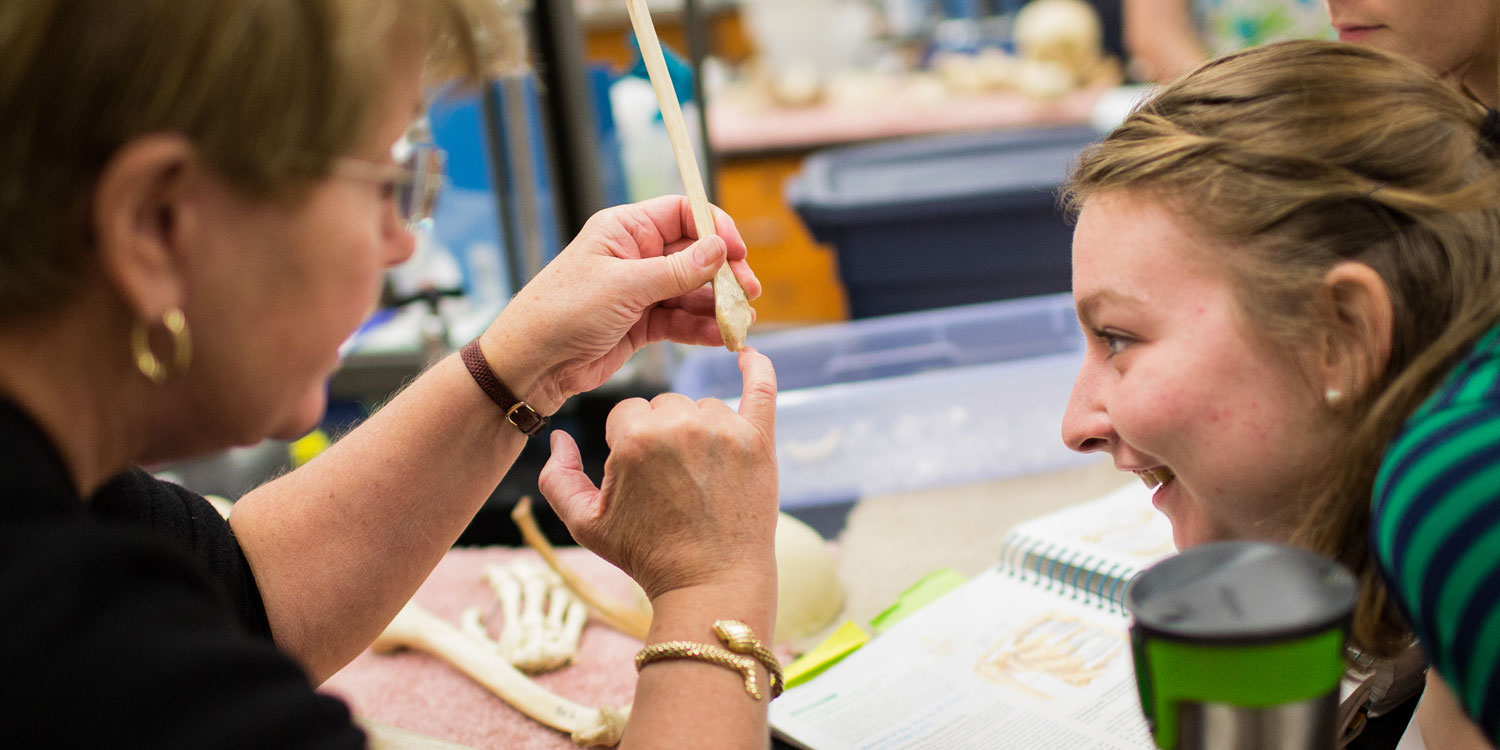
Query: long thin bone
{"type": "Point", "coordinates": [731, 309]}
{"type": "Point", "coordinates": [624, 618]}
{"type": "Point", "coordinates": [508, 591]}
{"type": "Point", "coordinates": [416, 628]}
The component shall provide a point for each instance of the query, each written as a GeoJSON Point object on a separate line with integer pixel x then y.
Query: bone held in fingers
{"type": "Point", "coordinates": [416, 628]}
{"type": "Point", "coordinates": [731, 308]}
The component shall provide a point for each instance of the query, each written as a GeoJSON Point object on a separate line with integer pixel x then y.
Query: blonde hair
{"type": "Point", "coordinates": [270, 92]}
{"type": "Point", "coordinates": [1292, 158]}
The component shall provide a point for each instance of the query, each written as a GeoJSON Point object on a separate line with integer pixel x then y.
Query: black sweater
{"type": "Point", "coordinates": [134, 621]}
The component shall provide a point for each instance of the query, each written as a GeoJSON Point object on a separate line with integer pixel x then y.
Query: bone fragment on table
{"type": "Point", "coordinates": [533, 592]}
{"type": "Point", "coordinates": [809, 596]}
{"type": "Point", "coordinates": [731, 308]}
{"type": "Point", "coordinates": [509, 593]}
{"type": "Point", "coordinates": [471, 623]}
{"type": "Point", "coordinates": [416, 628]}
{"type": "Point", "coordinates": [630, 620]}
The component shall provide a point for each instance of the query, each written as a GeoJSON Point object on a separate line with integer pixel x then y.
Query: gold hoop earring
{"type": "Point", "coordinates": [182, 347]}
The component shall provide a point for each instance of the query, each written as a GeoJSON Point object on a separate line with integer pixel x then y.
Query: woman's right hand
{"type": "Point", "coordinates": [689, 496]}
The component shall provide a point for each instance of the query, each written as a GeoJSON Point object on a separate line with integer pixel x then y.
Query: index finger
{"type": "Point", "coordinates": [671, 216]}
{"type": "Point", "coordinates": [758, 399]}
{"type": "Point", "coordinates": [724, 227]}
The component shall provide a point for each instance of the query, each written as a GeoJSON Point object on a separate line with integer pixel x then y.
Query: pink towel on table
{"type": "Point", "coordinates": [418, 692]}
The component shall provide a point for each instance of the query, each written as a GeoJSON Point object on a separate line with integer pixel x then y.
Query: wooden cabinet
{"type": "Point", "coordinates": [800, 276]}
{"type": "Point", "coordinates": [607, 34]}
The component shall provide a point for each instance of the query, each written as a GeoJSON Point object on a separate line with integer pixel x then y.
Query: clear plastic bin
{"type": "Point", "coordinates": [912, 401]}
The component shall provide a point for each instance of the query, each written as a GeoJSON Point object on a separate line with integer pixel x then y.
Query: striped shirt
{"type": "Point", "coordinates": [1435, 526]}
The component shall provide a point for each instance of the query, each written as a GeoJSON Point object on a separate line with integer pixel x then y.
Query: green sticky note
{"type": "Point", "coordinates": [921, 593]}
{"type": "Point", "coordinates": [841, 643]}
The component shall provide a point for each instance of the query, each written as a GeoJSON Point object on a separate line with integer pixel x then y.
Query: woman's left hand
{"type": "Point", "coordinates": [634, 275]}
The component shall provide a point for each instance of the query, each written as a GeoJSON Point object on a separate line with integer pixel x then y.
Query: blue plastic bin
{"type": "Point", "coordinates": [945, 220]}
{"type": "Point", "coordinates": [912, 401]}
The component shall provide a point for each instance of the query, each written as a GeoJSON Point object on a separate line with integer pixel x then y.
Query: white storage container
{"type": "Point", "coordinates": [915, 400]}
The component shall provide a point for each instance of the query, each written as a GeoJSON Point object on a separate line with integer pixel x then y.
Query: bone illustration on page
{"type": "Point", "coordinates": [1051, 647]}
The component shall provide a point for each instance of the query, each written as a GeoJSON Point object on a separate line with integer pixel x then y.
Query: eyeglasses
{"type": "Point", "coordinates": [415, 182]}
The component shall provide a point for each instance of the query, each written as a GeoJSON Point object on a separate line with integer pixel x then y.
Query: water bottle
{"type": "Point", "coordinates": [1240, 646]}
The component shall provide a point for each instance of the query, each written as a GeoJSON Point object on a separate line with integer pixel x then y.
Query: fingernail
{"type": "Point", "coordinates": [707, 251]}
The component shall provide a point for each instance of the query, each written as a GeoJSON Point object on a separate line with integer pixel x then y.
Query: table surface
{"type": "Point", "coordinates": [741, 125]}
{"type": "Point", "coordinates": [888, 543]}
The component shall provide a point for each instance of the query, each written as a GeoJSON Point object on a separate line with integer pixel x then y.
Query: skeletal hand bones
{"type": "Point", "coordinates": [629, 620]}
{"type": "Point", "coordinates": [529, 640]}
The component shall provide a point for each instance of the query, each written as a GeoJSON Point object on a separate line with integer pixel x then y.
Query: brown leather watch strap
{"type": "Point", "coordinates": [517, 412]}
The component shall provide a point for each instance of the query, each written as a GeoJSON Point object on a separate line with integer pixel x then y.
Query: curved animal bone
{"type": "Point", "coordinates": [529, 640]}
{"type": "Point", "coordinates": [622, 617]}
{"type": "Point", "coordinates": [416, 628]}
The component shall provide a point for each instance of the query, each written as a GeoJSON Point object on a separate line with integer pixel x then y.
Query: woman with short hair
{"type": "Point", "coordinates": [197, 204]}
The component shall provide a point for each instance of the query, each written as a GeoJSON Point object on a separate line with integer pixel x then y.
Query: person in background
{"type": "Point", "coordinates": [1458, 39]}
{"type": "Point", "coordinates": [1286, 265]}
{"type": "Point", "coordinates": [1167, 38]}
{"type": "Point", "coordinates": [197, 206]}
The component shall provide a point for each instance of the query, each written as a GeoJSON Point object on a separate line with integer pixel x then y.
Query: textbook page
{"type": "Point", "coordinates": [997, 663]}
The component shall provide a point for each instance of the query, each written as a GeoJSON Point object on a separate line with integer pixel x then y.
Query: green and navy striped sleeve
{"type": "Point", "coordinates": [1435, 527]}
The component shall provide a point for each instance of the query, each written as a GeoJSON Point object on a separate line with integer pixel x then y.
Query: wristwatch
{"type": "Point", "coordinates": [517, 412]}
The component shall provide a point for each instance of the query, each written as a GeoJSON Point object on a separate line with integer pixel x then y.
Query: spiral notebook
{"type": "Point", "coordinates": [1089, 551]}
{"type": "Point", "coordinates": [1033, 653]}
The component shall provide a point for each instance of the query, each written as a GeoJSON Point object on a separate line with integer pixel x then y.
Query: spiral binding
{"type": "Point", "coordinates": [1056, 568]}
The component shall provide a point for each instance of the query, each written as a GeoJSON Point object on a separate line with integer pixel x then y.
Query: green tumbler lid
{"type": "Point", "coordinates": [1248, 624]}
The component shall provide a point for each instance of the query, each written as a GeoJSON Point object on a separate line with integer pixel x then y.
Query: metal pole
{"type": "Point", "coordinates": [568, 109]}
{"type": "Point", "coordinates": [523, 172]}
{"type": "Point", "coordinates": [697, 42]}
{"type": "Point", "coordinates": [498, 144]}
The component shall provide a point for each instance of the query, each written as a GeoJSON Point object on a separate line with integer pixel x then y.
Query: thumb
{"type": "Point", "coordinates": [758, 400]}
{"type": "Point", "coordinates": [568, 490]}
{"type": "Point", "coordinates": [690, 268]}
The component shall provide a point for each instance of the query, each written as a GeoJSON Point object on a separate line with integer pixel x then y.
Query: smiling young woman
{"type": "Point", "coordinates": [1286, 264]}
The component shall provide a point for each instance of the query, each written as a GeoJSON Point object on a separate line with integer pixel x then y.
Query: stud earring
{"type": "Point", "coordinates": [1333, 396]}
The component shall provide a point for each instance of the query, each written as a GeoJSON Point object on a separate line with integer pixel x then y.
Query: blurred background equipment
{"type": "Point", "coordinates": [879, 157]}
{"type": "Point", "coordinates": [1166, 38]}
{"type": "Point", "coordinates": [943, 220]}
{"type": "Point", "coordinates": [910, 402]}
